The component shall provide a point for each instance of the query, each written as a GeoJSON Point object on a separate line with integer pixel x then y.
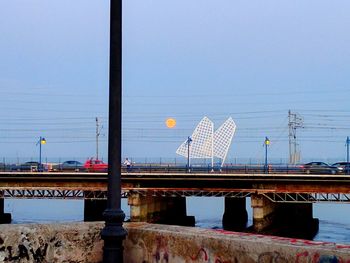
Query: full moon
{"type": "Point", "coordinates": [170, 122]}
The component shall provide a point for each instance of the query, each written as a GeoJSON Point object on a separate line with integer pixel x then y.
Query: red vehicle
{"type": "Point", "coordinates": [95, 165]}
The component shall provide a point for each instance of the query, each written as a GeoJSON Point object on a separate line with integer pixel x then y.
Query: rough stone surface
{"type": "Point", "coordinates": [49, 243]}
{"type": "Point", "coordinates": [80, 242]}
{"type": "Point", "coordinates": [159, 243]}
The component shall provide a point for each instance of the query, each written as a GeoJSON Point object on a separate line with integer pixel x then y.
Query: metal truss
{"type": "Point", "coordinates": [307, 198]}
{"type": "Point", "coordinates": [188, 193]}
{"type": "Point", "coordinates": [53, 194]}
{"type": "Point", "coordinates": [100, 195]}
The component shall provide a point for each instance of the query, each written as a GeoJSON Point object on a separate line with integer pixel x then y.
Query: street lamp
{"type": "Point", "coordinates": [189, 140]}
{"type": "Point", "coordinates": [40, 142]}
{"type": "Point", "coordinates": [113, 232]}
{"type": "Point", "coordinates": [266, 143]}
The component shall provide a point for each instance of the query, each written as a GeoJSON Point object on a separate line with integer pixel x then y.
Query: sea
{"type": "Point", "coordinates": [334, 219]}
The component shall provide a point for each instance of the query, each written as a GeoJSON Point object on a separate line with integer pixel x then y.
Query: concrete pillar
{"type": "Point", "coordinates": [5, 218]}
{"type": "Point", "coordinates": [154, 209]}
{"type": "Point", "coordinates": [93, 209]}
{"type": "Point", "coordinates": [283, 219]}
{"type": "Point", "coordinates": [176, 213]}
{"type": "Point", "coordinates": [138, 207]}
{"type": "Point", "coordinates": [298, 220]}
{"type": "Point", "coordinates": [264, 213]}
{"type": "Point", "coordinates": [235, 215]}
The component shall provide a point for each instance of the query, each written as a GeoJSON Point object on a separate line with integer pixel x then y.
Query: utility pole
{"type": "Point", "coordinates": [347, 148]}
{"type": "Point", "coordinates": [347, 166]}
{"type": "Point", "coordinates": [294, 121]}
{"type": "Point", "coordinates": [97, 135]}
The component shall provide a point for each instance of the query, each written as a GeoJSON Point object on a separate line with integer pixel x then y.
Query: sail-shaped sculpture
{"type": "Point", "coordinates": [201, 145]}
{"type": "Point", "coordinates": [205, 143]}
{"type": "Point", "coordinates": [223, 138]}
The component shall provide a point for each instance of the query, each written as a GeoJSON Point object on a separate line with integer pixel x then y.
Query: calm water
{"type": "Point", "coordinates": [334, 218]}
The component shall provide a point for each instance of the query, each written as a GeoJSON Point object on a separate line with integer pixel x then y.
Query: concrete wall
{"type": "Point", "coordinates": [80, 242]}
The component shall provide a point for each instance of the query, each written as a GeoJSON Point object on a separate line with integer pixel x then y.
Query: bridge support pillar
{"type": "Point", "coordinates": [176, 213]}
{"type": "Point", "coordinates": [235, 215]}
{"type": "Point", "coordinates": [93, 209]}
{"type": "Point", "coordinates": [284, 219]}
{"type": "Point", "coordinates": [5, 218]}
{"type": "Point", "coordinates": [298, 220]}
{"type": "Point", "coordinates": [155, 209]}
{"type": "Point", "coordinates": [264, 213]}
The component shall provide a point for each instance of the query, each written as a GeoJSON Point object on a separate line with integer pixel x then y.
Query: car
{"type": "Point", "coordinates": [28, 166]}
{"type": "Point", "coordinates": [95, 165]}
{"type": "Point", "coordinates": [343, 166]}
{"type": "Point", "coordinates": [72, 166]}
{"type": "Point", "coordinates": [320, 168]}
{"type": "Point", "coordinates": [3, 167]}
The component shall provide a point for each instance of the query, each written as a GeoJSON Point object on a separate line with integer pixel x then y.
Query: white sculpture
{"type": "Point", "coordinates": [205, 143]}
{"type": "Point", "coordinates": [223, 138]}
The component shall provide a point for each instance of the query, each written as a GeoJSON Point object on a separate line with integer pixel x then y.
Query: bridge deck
{"type": "Point", "coordinates": [282, 183]}
{"type": "Point", "coordinates": [294, 187]}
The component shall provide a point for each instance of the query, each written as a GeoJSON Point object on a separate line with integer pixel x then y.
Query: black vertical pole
{"type": "Point", "coordinates": [347, 148]}
{"type": "Point", "coordinates": [265, 158]}
{"type": "Point", "coordinates": [113, 233]}
{"type": "Point", "coordinates": [189, 140]}
{"type": "Point", "coordinates": [40, 150]}
{"type": "Point", "coordinates": [347, 168]}
{"type": "Point", "coordinates": [266, 166]}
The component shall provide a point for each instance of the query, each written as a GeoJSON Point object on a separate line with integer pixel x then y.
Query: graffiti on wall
{"type": "Point", "coordinates": [17, 253]}
{"type": "Point", "coordinates": [162, 254]}
{"type": "Point", "coordinates": [28, 249]}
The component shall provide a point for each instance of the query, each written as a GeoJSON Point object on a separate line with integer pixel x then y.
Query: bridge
{"type": "Point", "coordinates": [276, 187]}
{"type": "Point", "coordinates": [276, 199]}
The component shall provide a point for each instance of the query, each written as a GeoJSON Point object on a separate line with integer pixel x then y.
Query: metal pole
{"type": "Point", "coordinates": [40, 150]}
{"type": "Point", "coordinates": [265, 158]}
{"type": "Point", "coordinates": [113, 233]}
{"type": "Point", "coordinates": [266, 142]}
{"type": "Point", "coordinates": [188, 153]}
{"type": "Point", "coordinates": [290, 137]}
{"type": "Point", "coordinates": [96, 138]}
{"type": "Point", "coordinates": [347, 148]}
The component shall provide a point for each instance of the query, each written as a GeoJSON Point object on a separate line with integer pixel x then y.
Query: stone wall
{"type": "Point", "coordinates": [49, 243]}
{"type": "Point", "coordinates": [80, 242]}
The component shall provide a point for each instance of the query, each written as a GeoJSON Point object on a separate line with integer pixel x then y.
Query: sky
{"type": "Point", "coordinates": [251, 60]}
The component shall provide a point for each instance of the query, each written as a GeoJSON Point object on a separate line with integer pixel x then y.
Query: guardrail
{"type": "Point", "coordinates": [168, 168]}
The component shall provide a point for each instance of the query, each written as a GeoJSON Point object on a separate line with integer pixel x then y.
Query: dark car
{"type": "Point", "coordinates": [28, 166]}
{"type": "Point", "coordinates": [320, 168]}
{"type": "Point", "coordinates": [344, 167]}
{"type": "Point", "coordinates": [72, 166]}
{"type": "Point", "coordinates": [3, 167]}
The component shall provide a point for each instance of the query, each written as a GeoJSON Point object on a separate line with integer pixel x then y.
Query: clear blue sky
{"type": "Point", "coordinates": [252, 60]}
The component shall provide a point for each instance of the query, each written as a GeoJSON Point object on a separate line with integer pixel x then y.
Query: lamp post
{"type": "Point", "coordinates": [189, 140]}
{"type": "Point", "coordinates": [266, 143]}
{"type": "Point", "coordinates": [113, 233]}
{"type": "Point", "coordinates": [40, 142]}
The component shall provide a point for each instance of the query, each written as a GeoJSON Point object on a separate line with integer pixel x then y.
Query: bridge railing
{"type": "Point", "coordinates": [195, 168]}
{"type": "Point", "coordinates": [227, 169]}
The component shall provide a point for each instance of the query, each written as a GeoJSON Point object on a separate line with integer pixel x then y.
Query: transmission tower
{"type": "Point", "coordinates": [295, 121]}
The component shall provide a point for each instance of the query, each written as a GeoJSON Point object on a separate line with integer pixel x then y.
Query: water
{"type": "Point", "coordinates": [334, 218]}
